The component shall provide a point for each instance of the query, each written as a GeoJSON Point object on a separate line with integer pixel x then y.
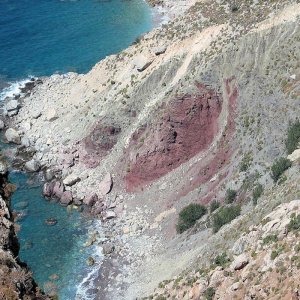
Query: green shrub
{"type": "Point", "coordinates": [225, 215]}
{"type": "Point", "coordinates": [293, 137]}
{"type": "Point", "coordinates": [214, 205]}
{"type": "Point", "coordinates": [257, 192]}
{"type": "Point", "coordinates": [230, 196]}
{"type": "Point", "coordinates": [189, 215]}
{"type": "Point", "coordinates": [272, 238]}
{"type": "Point", "coordinates": [246, 161]}
{"type": "Point", "coordinates": [221, 260]}
{"type": "Point", "coordinates": [294, 224]}
{"type": "Point", "coordinates": [209, 293]}
{"type": "Point", "coordinates": [279, 166]}
{"type": "Point", "coordinates": [274, 254]}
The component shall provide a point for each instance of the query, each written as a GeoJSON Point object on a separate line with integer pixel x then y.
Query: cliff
{"type": "Point", "coordinates": [198, 111]}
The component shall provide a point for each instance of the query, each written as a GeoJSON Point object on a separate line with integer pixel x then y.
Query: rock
{"type": "Point", "coordinates": [108, 248]}
{"type": "Point", "coordinates": [49, 175]}
{"type": "Point", "coordinates": [98, 208]}
{"type": "Point", "coordinates": [105, 185]}
{"type": "Point", "coordinates": [12, 107]}
{"type": "Point", "coordinates": [71, 180]}
{"type": "Point", "coordinates": [2, 125]}
{"type": "Point", "coordinates": [48, 189]}
{"type": "Point", "coordinates": [12, 136]}
{"type": "Point", "coordinates": [126, 230]}
{"type": "Point", "coordinates": [142, 62]}
{"type": "Point", "coordinates": [51, 115]}
{"type": "Point", "coordinates": [90, 261]}
{"type": "Point", "coordinates": [216, 278]}
{"type": "Point", "coordinates": [235, 286]}
{"type": "Point", "coordinates": [66, 198]}
{"type": "Point", "coordinates": [58, 189]}
{"type": "Point", "coordinates": [25, 141]}
{"type": "Point", "coordinates": [51, 221]}
{"type": "Point", "coordinates": [240, 262]}
{"type": "Point", "coordinates": [110, 214]}
{"type": "Point", "coordinates": [54, 277]}
{"type": "Point", "coordinates": [36, 114]}
{"type": "Point", "coordinates": [32, 165]}
{"type": "Point", "coordinates": [159, 50]}
{"type": "Point", "coordinates": [91, 199]}
{"type": "Point", "coordinates": [3, 168]}
{"type": "Point", "coordinates": [295, 156]}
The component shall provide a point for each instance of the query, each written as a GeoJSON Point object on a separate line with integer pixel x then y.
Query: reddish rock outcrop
{"type": "Point", "coordinates": [185, 127]}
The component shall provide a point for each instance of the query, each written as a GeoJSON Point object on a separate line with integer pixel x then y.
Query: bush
{"type": "Point", "coordinates": [209, 293]}
{"type": "Point", "coordinates": [293, 138]}
{"type": "Point", "coordinates": [189, 215]}
{"type": "Point", "coordinates": [257, 192]}
{"type": "Point", "coordinates": [294, 224]}
{"type": "Point", "coordinates": [225, 215]}
{"type": "Point", "coordinates": [279, 166]}
{"type": "Point", "coordinates": [221, 260]}
{"type": "Point", "coordinates": [272, 238]}
{"type": "Point", "coordinates": [214, 205]}
{"type": "Point", "coordinates": [230, 196]}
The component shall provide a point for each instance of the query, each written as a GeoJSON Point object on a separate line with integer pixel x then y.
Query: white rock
{"type": "Point", "coordinates": [36, 114]}
{"type": "Point", "coordinates": [25, 141]}
{"type": "Point", "coordinates": [105, 185]}
{"type": "Point", "coordinates": [32, 165]}
{"type": "Point", "coordinates": [294, 156]}
{"type": "Point", "coordinates": [293, 76]}
{"type": "Point", "coordinates": [3, 168]}
{"type": "Point", "coordinates": [12, 105]}
{"type": "Point", "coordinates": [110, 214]}
{"type": "Point", "coordinates": [12, 136]}
{"type": "Point", "coordinates": [1, 125]}
{"type": "Point", "coordinates": [142, 62]}
{"type": "Point", "coordinates": [240, 262]}
{"type": "Point", "coordinates": [159, 50]}
{"type": "Point", "coordinates": [71, 180]}
{"type": "Point", "coordinates": [51, 114]}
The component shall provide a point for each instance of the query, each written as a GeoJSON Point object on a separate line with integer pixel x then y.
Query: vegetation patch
{"type": "Point", "coordinates": [272, 238]}
{"type": "Point", "coordinates": [294, 224]}
{"type": "Point", "coordinates": [257, 192]}
{"type": "Point", "coordinates": [293, 138]}
{"type": "Point", "coordinates": [189, 215]}
{"type": "Point", "coordinates": [209, 293]}
{"type": "Point", "coordinates": [279, 166]}
{"type": "Point", "coordinates": [225, 215]}
{"type": "Point", "coordinates": [214, 205]}
{"type": "Point", "coordinates": [221, 260]}
{"type": "Point", "coordinates": [230, 196]}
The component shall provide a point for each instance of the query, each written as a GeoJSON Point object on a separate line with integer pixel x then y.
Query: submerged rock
{"type": "Point", "coordinates": [90, 261]}
{"type": "Point", "coordinates": [51, 222]}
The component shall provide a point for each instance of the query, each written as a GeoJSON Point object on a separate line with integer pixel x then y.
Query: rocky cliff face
{"type": "Point", "coordinates": [197, 108]}
{"type": "Point", "coordinates": [15, 279]}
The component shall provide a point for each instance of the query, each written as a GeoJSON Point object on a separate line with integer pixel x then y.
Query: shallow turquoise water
{"type": "Point", "coordinates": [50, 250]}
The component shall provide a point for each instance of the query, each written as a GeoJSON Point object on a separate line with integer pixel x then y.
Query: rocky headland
{"type": "Point", "coordinates": [202, 110]}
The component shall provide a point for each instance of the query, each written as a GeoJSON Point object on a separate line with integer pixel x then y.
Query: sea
{"type": "Point", "coordinates": [40, 38]}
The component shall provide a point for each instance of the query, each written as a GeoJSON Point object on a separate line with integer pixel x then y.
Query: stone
{"type": "Point", "coordinates": [49, 175]}
{"type": "Point", "coordinates": [142, 62]}
{"type": "Point", "coordinates": [66, 198]}
{"type": "Point", "coordinates": [295, 156]}
{"type": "Point", "coordinates": [58, 189]}
{"type": "Point", "coordinates": [51, 115]}
{"type": "Point", "coordinates": [108, 248]}
{"type": "Point", "coordinates": [110, 214]}
{"type": "Point", "coordinates": [2, 125]}
{"type": "Point", "coordinates": [90, 199]}
{"type": "Point", "coordinates": [105, 185]}
{"type": "Point", "coordinates": [240, 262]}
{"type": "Point", "coordinates": [12, 136]}
{"type": "Point", "coordinates": [36, 114]}
{"type": "Point", "coordinates": [235, 286]}
{"type": "Point", "coordinates": [216, 278]}
{"type": "Point", "coordinates": [25, 141]}
{"type": "Point", "coordinates": [159, 50]}
{"type": "Point", "coordinates": [71, 180]}
{"type": "Point", "coordinates": [3, 168]}
{"type": "Point", "coordinates": [48, 189]}
{"type": "Point", "coordinates": [90, 261]}
{"type": "Point", "coordinates": [12, 107]}
{"type": "Point", "coordinates": [32, 165]}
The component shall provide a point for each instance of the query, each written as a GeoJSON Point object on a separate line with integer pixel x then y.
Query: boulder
{"type": "Point", "coordinates": [110, 215]}
{"type": "Point", "coordinates": [66, 198]}
{"type": "Point", "coordinates": [2, 125]}
{"type": "Point", "coordinates": [48, 189]}
{"type": "Point", "coordinates": [159, 50]}
{"type": "Point", "coordinates": [51, 115]}
{"type": "Point", "coordinates": [98, 208]}
{"type": "Point", "coordinates": [3, 168]}
{"type": "Point", "coordinates": [108, 248]}
{"type": "Point", "coordinates": [12, 107]}
{"type": "Point", "coordinates": [216, 278]}
{"type": "Point", "coordinates": [36, 114]}
{"type": "Point", "coordinates": [12, 136]}
{"type": "Point", "coordinates": [295, 156]}
{"type": "Point", "coordinates": [32, 165]}
{"type": "Point", "coordinates": [71, 180]}
{"type": "Point", "coordinates": [49, 175]}
{"type": "Point", "coordinates": [90, 199]}
{"type": "Point", "coordinates": [240, 262]}
{"type": "Point", "coordinates": [58, 189]}
{"type": "Point", "coordinates": [25, 141]}
{"type": "Point", "coordinates": [142, 62]}
{"type": "Point", "coordinates": [105, 185]}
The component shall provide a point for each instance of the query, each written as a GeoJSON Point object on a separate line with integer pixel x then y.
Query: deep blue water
{"type": "Point", "coordinates": [39, 38]}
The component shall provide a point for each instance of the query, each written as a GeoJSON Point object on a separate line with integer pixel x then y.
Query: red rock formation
{"type": "Point", "coordinates": [185, 127]}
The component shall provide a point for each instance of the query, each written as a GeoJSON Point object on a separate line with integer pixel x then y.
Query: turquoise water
{"type": "Point", "coordinates": [55, 254]}
{"type": "Point", "coordinates": [41, 37]}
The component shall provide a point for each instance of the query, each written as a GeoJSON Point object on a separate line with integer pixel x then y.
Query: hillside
{"type": "Point", "coordinates": [196, 111]}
